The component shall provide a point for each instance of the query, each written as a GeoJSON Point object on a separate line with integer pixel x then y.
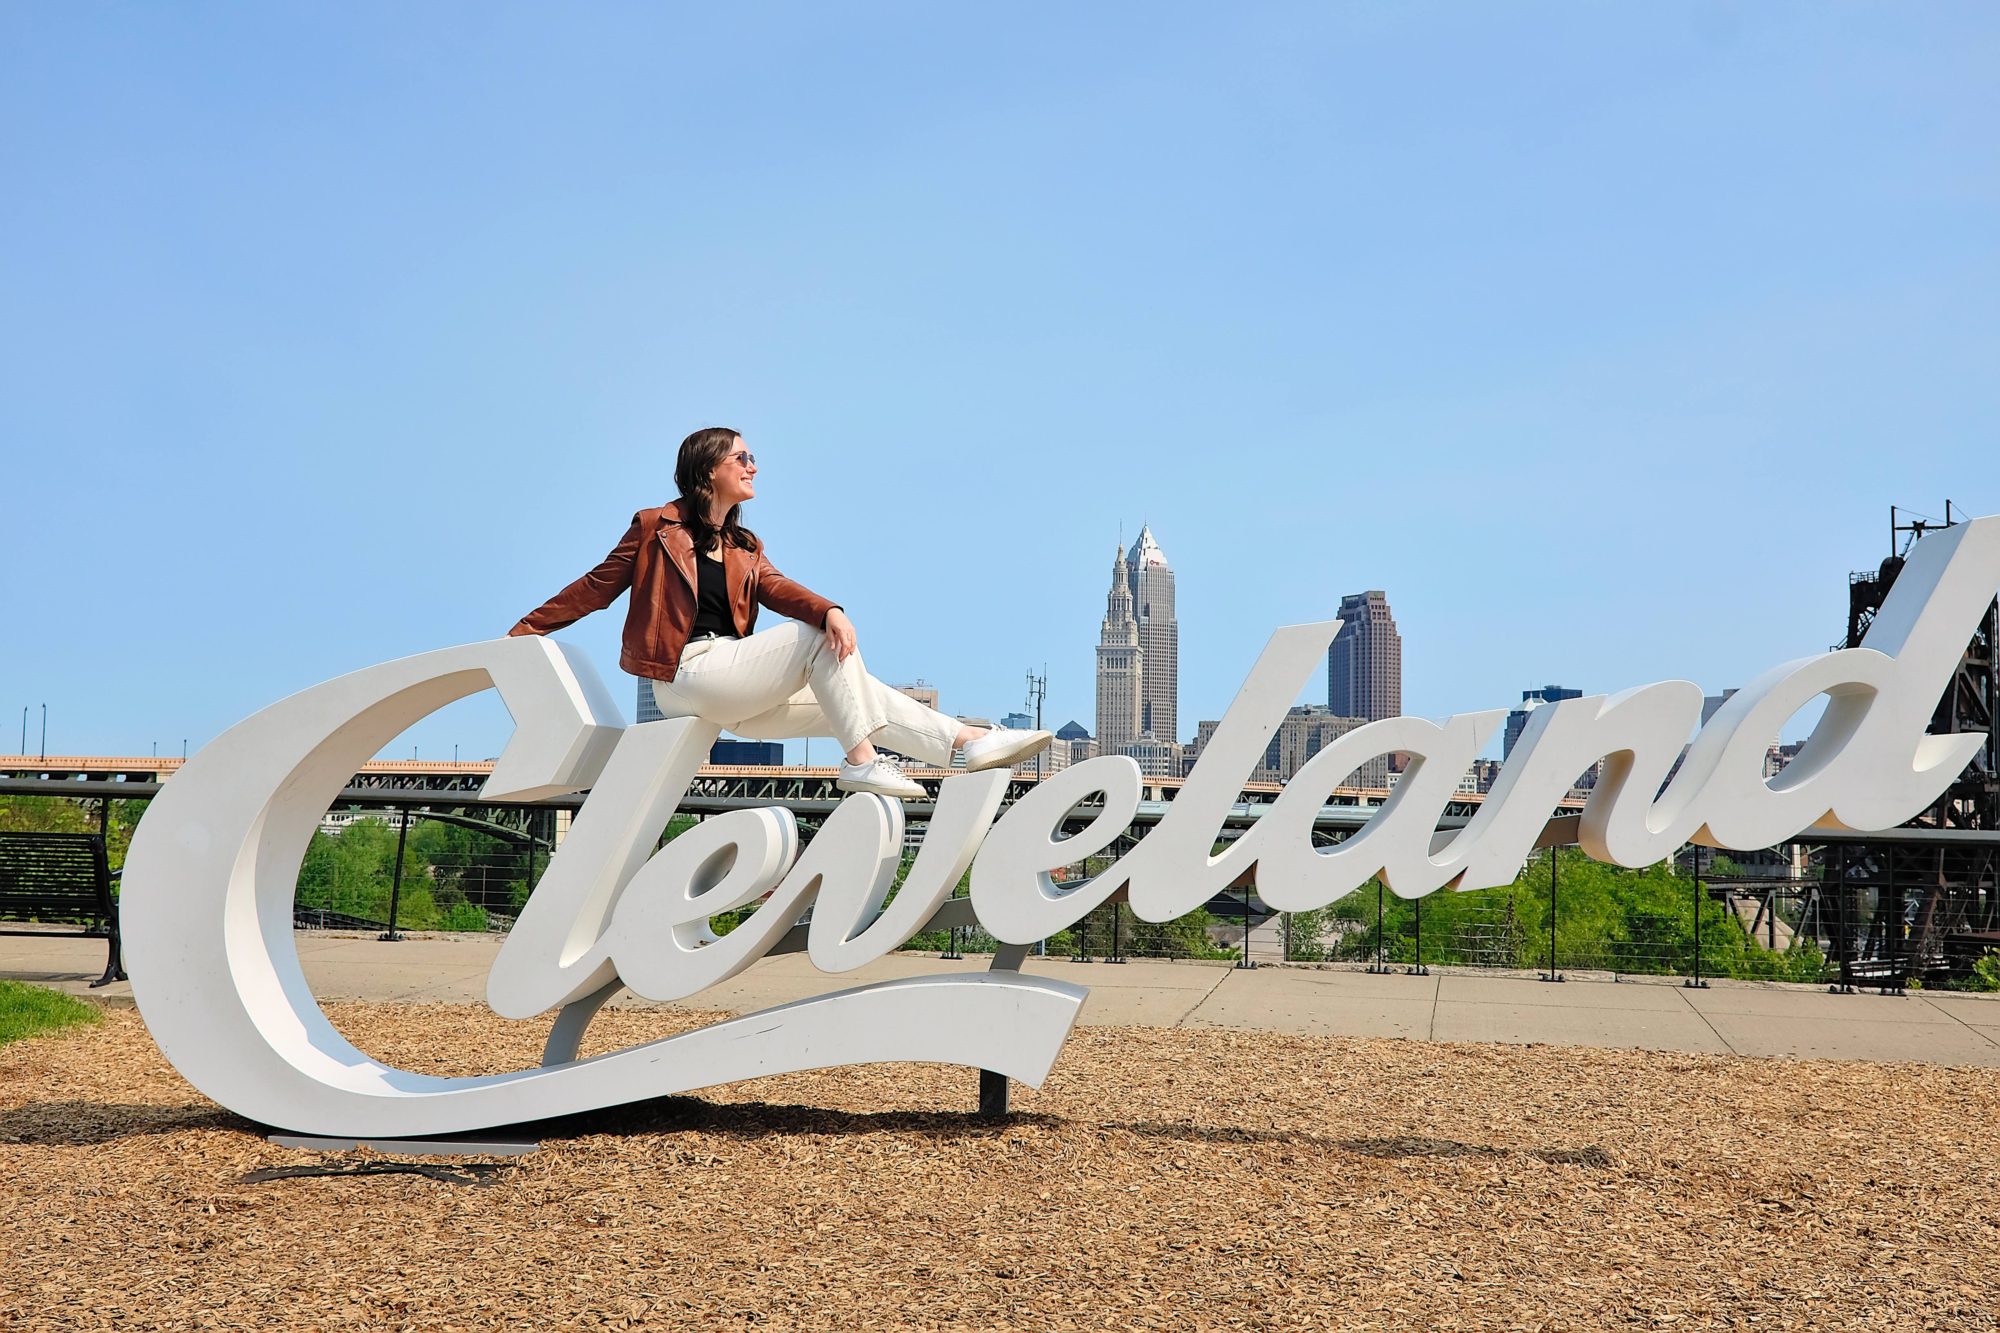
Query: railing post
{"type": "Point", "coordinates": [1244, 961]}
{"type": "Point", "coordinates": [396, 881]}
{"type": "Point", "coordinates": [1694, 863]}
{"type": "Point", "coordinates": [1419, 970]}
{"type": "Point", "coordinates": [1843, 942]}
{"type": "Point", "coordinates": [1380, 964]}
{"type": "Point", "coordinates": [1552, 974]}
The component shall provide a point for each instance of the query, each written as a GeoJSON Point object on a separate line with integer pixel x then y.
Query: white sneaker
{"type": "Point", "coordinates": [1003, 747]}
{"type": "Point", "coordinates": [881, 776]}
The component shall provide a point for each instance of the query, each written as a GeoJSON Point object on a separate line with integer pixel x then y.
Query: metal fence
{"type": "Point", "coordinates": [1849, 921]}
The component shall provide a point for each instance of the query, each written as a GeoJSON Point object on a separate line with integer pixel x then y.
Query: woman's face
{"type": "Point", "coordinates": [735, 477]}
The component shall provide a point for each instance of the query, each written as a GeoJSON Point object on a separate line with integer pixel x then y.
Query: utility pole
{"type": "Point", "coordinates": [1038, 689]}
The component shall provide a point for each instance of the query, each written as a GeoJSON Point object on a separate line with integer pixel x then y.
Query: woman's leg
{"type": "Point", "coordinates": [786, 682]}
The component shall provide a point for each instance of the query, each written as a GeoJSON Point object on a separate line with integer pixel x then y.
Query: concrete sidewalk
{"type": "Point", "coordinates": [1731, 1017]}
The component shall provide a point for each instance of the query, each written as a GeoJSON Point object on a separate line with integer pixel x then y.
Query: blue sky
{"type": "Point", "coordinates": [1601, 337]}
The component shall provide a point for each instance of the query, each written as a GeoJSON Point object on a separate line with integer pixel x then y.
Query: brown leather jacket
{"type": "Point", "coordinates": [655, 559]}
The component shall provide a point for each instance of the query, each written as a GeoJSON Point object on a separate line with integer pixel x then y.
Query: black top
{"type": "Point", "coordinates": [711, 607]}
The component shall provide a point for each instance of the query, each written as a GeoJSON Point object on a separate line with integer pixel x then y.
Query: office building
{"type": "Point", "coordinates": [1156, 758]}
{"type": "Point", "coordinates": [923, 692]}
{"type": "Point", "coordinates": [1517, 719]}
{"type": "Point", "coordinates": [1138, 650]}
{"type": "Point", "coordinates": [1304, 732]}
{"type": "Point", "coordinates": [1364, 670]}
{"type": "Point", "coordinates": [1159, 636]}
{"type": "Point", "coordinates": [760, 754]}
{"type": "Point", "coordinates": [1075, 742]}
{"type": "Point", "coordinates": [1118, 666]}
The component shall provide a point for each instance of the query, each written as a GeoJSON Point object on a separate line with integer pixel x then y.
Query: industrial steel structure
{"type": "Point", "coordinates": [1919, 900]}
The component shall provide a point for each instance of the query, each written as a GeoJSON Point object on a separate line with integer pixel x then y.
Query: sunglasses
{"type": "Point", "coordinates": [745, 457]}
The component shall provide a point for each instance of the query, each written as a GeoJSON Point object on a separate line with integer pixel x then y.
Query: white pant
{"type": "Point", "coordinates": [785, 682]}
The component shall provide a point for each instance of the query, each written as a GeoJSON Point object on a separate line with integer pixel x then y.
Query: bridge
{"type": "Point", "coordinates": [384, 783]}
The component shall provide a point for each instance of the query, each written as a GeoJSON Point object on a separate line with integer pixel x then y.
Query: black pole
{"type": "Point", "coordinates": [1552, 974]}
{"type": "Point", "coordinates": [24, 728]}
{"type": "Point", "coordinates": [1419, 970]}
{"type": "Point", "coordinates": [1895, 940]}
{"type": "Point", "coordinates": [1244, 961]}
{"type": "Point", "coordinates": [1117, 954]}
{"type": "Point", "coordinates": [45, 731]}
{"type": "Point", "coordinates": [1842, 944]}
{"type": "Point", "coordinates": [1694, 862]}
{"type": "Point", "coordinates": [396, 883]}
{"type": "Point", "coordinates": [1378, 965]}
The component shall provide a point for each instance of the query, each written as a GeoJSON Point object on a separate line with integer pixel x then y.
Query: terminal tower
{"type": "Point", "coordinates": [1138, 650]}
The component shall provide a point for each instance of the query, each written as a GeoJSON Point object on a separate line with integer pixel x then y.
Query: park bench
{"type": "Point", "coordinates": [60, 879]}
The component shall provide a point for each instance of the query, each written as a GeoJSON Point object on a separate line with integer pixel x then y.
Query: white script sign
{"type": "Point", "coordinates": [208, 885]}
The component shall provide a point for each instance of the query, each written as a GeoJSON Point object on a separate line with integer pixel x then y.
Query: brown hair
{"type": "Point", "coordinates": [700, 452]}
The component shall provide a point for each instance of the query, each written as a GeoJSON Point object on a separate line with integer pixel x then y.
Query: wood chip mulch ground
{"type": "Point", "coordinates": [1161, 1180]}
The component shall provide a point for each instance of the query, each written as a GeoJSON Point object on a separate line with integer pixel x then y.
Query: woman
{"type": "Point", "coordinates": [697, 576]}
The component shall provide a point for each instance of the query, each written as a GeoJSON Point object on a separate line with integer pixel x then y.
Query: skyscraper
{"type": "Point", "coordinates": [1159, 637]}
{"type": "Point", "coordinates": [1119, 673]}
{"type": "Point", "coordinates": [1364, 667]}
{"type": "Point", "coordinates": [1364, 670]}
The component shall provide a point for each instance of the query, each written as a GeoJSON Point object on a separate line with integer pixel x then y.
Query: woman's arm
{"type": "Point", "coordinates": [593, 592]}
{"type": "Point", "coordinates": [790, 598]}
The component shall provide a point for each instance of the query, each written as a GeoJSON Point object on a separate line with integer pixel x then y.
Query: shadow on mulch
{"type": "Point", "coordinates": [756, 1120]}
{"type": "Point", "coordinates": [92, 1124]}
{"type": "Point", "coordinates": [88, 1124]}
{"type": "Point", "coordinates": [753, 1120]}
{"type": "Point", "coordinates": [1405, 1145]}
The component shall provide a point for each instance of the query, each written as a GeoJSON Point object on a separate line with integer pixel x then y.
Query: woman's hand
{"type": "Point", "coordinates": [839, 633]}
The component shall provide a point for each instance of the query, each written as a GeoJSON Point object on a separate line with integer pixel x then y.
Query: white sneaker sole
{"type": "Point", "coordinates": [1007, 756]}
{"type": "Point", "coordinates": [909, 792]}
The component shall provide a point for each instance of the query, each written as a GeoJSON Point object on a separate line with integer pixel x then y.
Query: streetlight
{"type": "Point", "coordinates": [1038, 688]}
{"type": "Point", "coordinates": [45, 731]}
{"type": "Point", "coordinates": [24, 728]}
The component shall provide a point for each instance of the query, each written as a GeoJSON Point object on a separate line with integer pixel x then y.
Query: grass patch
{"type": "Point", "coordinates": [31, 1011]}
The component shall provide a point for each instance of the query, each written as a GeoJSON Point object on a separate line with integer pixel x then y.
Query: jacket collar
{"type": "Point", "coordinates": [679, 543]}
{"type": "Point", "coordinates": [737, 564]}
